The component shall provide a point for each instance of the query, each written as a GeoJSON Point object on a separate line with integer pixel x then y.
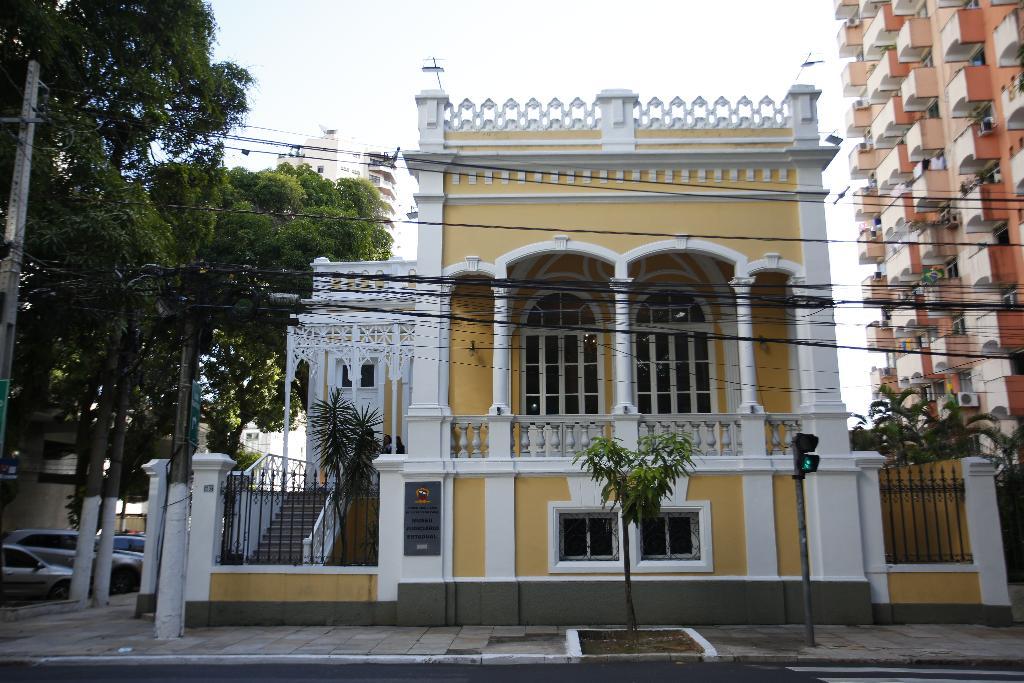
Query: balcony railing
{"type": "Point", "coordinates": [880, 337]}
{"type": "Point", "coordinates": [904, 263]}
{"type": "Point", "coordinates": [858, 119]}
{"type": "Point", "coordinates": [914, 39]}
{"type": "Point", "coordinates": [891, 123]}
{"type": "Point", "coordinates": [913, 369]}
{"type": "Point", "coordinates": [931, 189]}
{"type": "Point", "coordinates": [1013, 105]}
{"type": "Point", "coordinates": [562, 436]}
{"type": "Point", "coordinates": [864, 160]}
{"type": "Point", "coordinates": [962, 34]}
{"type": "Point", "coordinates": [880, 34]}
{"type": "Point", "coordinates": [945, 350]}
{"type": "Point", "coordinates": [974, 149]}
{"type": "Point", "coordinates": [869, 247]}
{"type": "Point", "coordinates": [984, 209]}
{"type": "Point", "coordinates": [895, 169]}
{"type": "Point", "coordinates": [967, 90]}
{"type": "Point", "coordinates": [920, 88]}
{"type": "Point", "coordinates": [877, 288]}
{"type": "Point", "coordinates": [845, 9]}
{"type": "Point", "coordinates": [924, 138]}
{"type": "Point", "coordinates": [1017, 171]}
{"type": "Point", "coordinates": [1007, 41]}
{"type": "Point", "coordinates": [899, 215]}
{"type": "Point", "coordinates": [886, 79]}
{"type": "Point", "coordinates": [850, 39]}
{"type": "Point", "coordinates": [855, 79]}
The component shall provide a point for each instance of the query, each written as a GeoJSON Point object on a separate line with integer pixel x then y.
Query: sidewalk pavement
{"type": "Point", "coordinates": [112, 633]}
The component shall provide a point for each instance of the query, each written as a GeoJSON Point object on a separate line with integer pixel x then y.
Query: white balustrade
{"type": "Point", "coordinates": [470, 437]}
{"type": "Point", "coordinates": [557, 436]}
{"type": "Point", "coordinates": [780, 430]}
{"type": "Point", "coordinates": [710, 435]}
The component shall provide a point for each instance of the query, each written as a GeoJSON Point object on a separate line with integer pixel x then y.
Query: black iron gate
{"type": "Point", "coordinates": [1010, 494]}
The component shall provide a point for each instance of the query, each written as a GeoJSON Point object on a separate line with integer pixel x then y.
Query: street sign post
{"type": "Point", "coordinates": [5, 387]}
{"type": "Point", "coordinates": [193, 416]}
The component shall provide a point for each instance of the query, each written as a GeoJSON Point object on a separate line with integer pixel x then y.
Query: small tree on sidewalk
{"type": "Point", "coordinates": [636, 483]}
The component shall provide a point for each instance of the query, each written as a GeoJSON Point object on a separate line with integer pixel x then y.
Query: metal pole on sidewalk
{"type": "Point", "coordinates": [805, 567]}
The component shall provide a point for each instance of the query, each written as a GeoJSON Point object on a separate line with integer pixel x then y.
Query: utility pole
{"type": "Point", "coordinates": [170, 606]}
{"type": "Point", "coordinates": [17, 207]}
{"type": "Point", "coordinates": [14, 240]}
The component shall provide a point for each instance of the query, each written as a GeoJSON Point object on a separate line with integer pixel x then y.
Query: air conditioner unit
{"type": "Point", "coordinates": [861, 104]}
{"type": "Point", "coordinates": [967, 399]}
{"type": "Point", "coordinates": [986, 125]}
{"type": "Point", "coordinates": [853, 22]}
{"type": "Point", "coordinates": [949, 217]}
{"type": "Point", "coordinates": [865, 146]}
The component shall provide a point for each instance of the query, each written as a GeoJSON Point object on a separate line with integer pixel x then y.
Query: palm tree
{"type": "Point", "coordinates": [899, 419]}
{"type": "Point", "coordinates": [345, 440]}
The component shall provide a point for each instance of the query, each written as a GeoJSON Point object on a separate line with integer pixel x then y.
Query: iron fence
{"type": "Point", "coordinates": [923, 518]}
{"type": "Point", "coordinates": [1010, 497]}
{"type": "Point", "coordinates": [277, 512]}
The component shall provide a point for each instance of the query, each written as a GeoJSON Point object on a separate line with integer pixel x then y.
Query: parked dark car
{"type": "Point", "coordinates": [57, 546]}
{"type": "Point", "coordinates": [28, 577]}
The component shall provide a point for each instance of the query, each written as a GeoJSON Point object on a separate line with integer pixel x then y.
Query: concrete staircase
{"type": "Point", "coordinates": [281, 543]}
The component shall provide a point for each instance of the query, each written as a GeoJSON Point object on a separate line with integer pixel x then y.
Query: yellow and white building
{"type": "Point", "coordinates": [610, 268]}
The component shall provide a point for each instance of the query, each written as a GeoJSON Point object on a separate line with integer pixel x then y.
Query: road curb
{"type": "Point", "coordinates": [500, 659]}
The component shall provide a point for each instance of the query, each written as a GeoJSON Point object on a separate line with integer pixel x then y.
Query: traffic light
{"type": "Point", "coordinates": [805, 461]}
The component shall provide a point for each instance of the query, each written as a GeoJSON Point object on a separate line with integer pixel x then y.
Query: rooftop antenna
{"type": "Point", "coordinates": [430, 66]}
{"type": "Point", "coordinates": [808, 61]}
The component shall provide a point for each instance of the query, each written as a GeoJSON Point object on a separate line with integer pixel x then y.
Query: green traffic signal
{"type": "Point", "coordinates": [809, 463]}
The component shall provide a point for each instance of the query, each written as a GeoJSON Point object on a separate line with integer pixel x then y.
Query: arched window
{"type": "Point", "coordinates": [673, 361]}
{"type": "Point", "coordinates": [560, 366]}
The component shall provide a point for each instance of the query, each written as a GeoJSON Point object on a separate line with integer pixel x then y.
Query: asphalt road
{"type": "Point", "coordinates": [567, 673]}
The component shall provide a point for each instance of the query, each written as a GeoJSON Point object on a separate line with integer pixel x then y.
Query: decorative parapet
{"type": "Point", "coordinates": [677, 114]}
{"type": "Point", "coordinates": [488, 116]}
{"type": "Point", "coordinates": [680, 115]}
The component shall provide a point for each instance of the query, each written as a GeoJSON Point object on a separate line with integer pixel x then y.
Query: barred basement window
{"type": "Point", "coordinates": [671, 536]}
{"type": "Point", "coordinates": [588, 536]}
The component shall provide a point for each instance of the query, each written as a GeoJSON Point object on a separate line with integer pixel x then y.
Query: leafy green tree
{"type": "Point", "coordinates": [636, 483]}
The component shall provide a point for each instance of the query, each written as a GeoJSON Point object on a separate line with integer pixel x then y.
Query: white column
{"type": "Point", "coordinates": [872, 534]}
{"type": "Point", "coordinates": [204, 536]}
{"type": "Point", "coordinates": [501, 366]}
{"type": "Point", "coordinates": [747, 362]}
{"type": "Point", "coordinates": [390, 526]}
{"type": "Point", "coordinates": [157, 472]}
{"type": "Point", "coordinates": [500, 525]}
{"type": "Point", "coordinates": [824, 413]}
{"type": "Point", "coordinates": [759, 522]}
{"type": "Point", "coordinates": [624, 404]}
{"type": "Point", "coordinates": [445, 348]}
{"type": "Point", "coordinates": [986, 536]}
{"type": "Point", "coordinates": [833, 522]}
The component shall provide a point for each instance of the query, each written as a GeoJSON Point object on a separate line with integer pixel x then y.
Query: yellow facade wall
{"type": "Point", "coordinates": [934, 588]}
{"type": "Point", "coordinates": [728, 535]}
{"type": "Point", "coordinates": [471, 354]}
{"type": "Point", "coordinates": [770, 219]}
{"type": "Point", "coordinates": [774, 364]}
{"type": "Point", "coordinates": [468, 527]}
{"type": "Point", "coordinates": [264, 587]}
{"type": "Point", "coordinates": [533, 523]}
{"type": "Point", "coordinates": [787, 541]}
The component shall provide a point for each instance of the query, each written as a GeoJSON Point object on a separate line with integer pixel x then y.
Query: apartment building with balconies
{"type": "Point", "coordinates": [940, 110]}
{"type": "Point", "coordinates": [335, 157]}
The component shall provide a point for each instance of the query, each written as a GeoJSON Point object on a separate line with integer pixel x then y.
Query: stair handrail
{"type": "Point", "coordinates": [311, 546]}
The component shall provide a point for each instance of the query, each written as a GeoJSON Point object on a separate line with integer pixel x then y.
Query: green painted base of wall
{"type": "Point", "coordinates": [289, 614]}
{"type": "Point", "coordinates": [989, 615]}
{"type": "Point", "coordinates": [145, 603]}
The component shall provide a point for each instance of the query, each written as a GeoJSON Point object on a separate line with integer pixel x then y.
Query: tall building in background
{"type": "Point", "coordinates": [335, 158]}
{"type": "Point", "coordinates": [940, 109]}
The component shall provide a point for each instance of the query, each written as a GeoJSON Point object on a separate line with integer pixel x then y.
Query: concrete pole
{"type": "Point", "coordinates": [745, 330]}
{"type": "Point", "coordinates": [623, 349]}
{"type": "Point", "coordinates": [170, 604]}
{"type": "Point", "coordinates": [157, 471]}
{"type": "Point", "coordinates": [14, 229]}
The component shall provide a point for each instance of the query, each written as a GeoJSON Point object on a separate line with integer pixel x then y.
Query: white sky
{"type": "Point", "coordinates": [356, 67]}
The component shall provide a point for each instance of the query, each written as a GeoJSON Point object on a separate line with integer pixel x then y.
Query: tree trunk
{"type": "Point", "coordinates": [630, 610]}
{"type": "Point", "coordinates": [112, 486]}
{"type": "Point", "coordinates": [86, 545]}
